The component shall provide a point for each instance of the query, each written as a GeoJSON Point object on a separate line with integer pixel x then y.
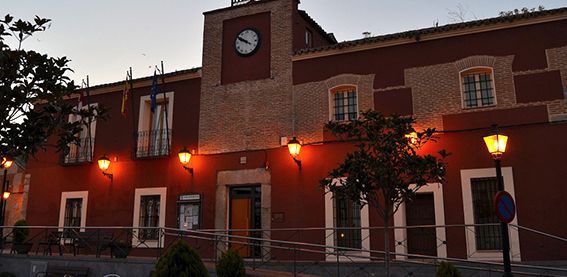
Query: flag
{"type": "Point", "coordinates": [153, 95]}
{"type": "Point", "coordinates": [125, 92]}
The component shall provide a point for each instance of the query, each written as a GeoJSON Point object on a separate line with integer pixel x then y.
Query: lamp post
{"type": "Point", "coordinates": [496, 144]}
{"type": "Point", "coordinates": [6, 164]}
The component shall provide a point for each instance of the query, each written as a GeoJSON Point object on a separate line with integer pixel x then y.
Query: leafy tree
{"type": "Point", "coordinates": [385, 168]}
{"type": "Point", "coordinates": [35, 94]}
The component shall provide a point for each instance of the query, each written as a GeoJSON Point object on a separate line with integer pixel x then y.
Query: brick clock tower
{"type": "Point", "coordinates": [246, 90]}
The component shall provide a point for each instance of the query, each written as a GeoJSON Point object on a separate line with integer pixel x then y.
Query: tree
{"type": "Point", "coordinates": [35, 94]}
{"type": "Point", "coordinates": [385, 169]}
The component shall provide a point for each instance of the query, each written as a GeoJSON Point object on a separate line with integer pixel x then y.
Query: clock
{"type": "Point", "coordinates": [247, 42]}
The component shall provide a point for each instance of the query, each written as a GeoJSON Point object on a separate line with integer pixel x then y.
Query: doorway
{"type": "Point", "coordinates": [421, 211]}
{"type": "Point", "coordinates": [245, 214]}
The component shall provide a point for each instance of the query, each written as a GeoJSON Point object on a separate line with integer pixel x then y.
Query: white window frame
{"type": "Point", "coordinates": [75, 118]}
{"type": "Point", "coordinates": [84, 195]}
{"type": "Point", "coordinates": [330, 225]}
{"type": "Point", "coordinates": [400, 234]}
{"type": "Point", "coordinates": [162, 192]}
{"type": "Point", "coordinates": [145, 114]}
{"type": "Point", "coordinates": [472, 252]}
{"type": "Point", "coordinates": [461, 85]}
{"type": "Point", "coordinates": [331, 94]}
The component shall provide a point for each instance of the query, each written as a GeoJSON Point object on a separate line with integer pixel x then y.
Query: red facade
{"type": "Point", "coordinates": [529, 61]}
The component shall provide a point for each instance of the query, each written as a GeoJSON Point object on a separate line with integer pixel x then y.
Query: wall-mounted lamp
{"type": "Point", "coordinates": [6, 195]}
{"type": "Point", "coordinates": [103, 164]}
{"type": "Point", "coordinates": [412, 137]}
{"type": "Point", "coordinates": [184, 158]}
{"type": "Point", "coordinates": [6, 163]}
{"type": "Point", "coordinates": [294, 147]}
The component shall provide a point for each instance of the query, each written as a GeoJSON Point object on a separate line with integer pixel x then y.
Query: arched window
{"type": "Point", "coordinates": [478, 87]}
{"type": "Point", "coordinates": [344, 103]}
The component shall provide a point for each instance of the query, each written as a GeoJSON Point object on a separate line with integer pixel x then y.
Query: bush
{"type": "Point", "coordinates": [230, 264]}
{"type": "Point", "coordinates": [121, 249]}
{"type": "Point", "coordinates": [6, 274]}
{"type": "Point", "coordinates": [446, 269]}
{"type": "Point", "coordinates": [181, 261]}
{"type": "Point", "coordinates": [20, 234]}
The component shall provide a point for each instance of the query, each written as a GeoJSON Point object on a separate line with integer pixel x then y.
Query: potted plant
{"type": "Point", "coordinates": [121, 249]}
{"type": "Point", "coordinates": [20, 234]}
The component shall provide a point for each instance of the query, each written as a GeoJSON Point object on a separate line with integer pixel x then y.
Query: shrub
{"type": "Point", "coordinates": [121, 249]}
{"type": "Point", "coordinates": [20, 234]}
{"type": "Point", "coordinates": [6, 274]}
{"type": "Point", "coordinates": [181, 261]}
{"type": "Point", "coordinates": [230, 264]}
{"type": "Point", "coordinates": [446, 269]}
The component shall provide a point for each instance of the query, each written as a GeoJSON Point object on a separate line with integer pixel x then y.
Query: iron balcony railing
{"type": "Point", "coordinates": [80, 153]}
{"type": "Point", "coordinates": [153, 143]}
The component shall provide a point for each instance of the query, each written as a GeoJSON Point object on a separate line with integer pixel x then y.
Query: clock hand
{"type": "Point", "coordinates": [243, 40]}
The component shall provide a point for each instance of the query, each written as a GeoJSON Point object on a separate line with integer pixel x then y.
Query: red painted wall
{"type": "Point", "coordinates": [398, 101]}
{"type": "Point", "coordinates": [545, 86]}
{"type": "Point", "coordinates": [527, 43]}
{"type": "Point", "coordinates": [236, 68]}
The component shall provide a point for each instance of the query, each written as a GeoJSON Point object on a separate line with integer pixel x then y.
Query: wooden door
{"type": "Point", "coordinates": [240, 209]}
{"type": "Point", "coordinates": [421, 211]}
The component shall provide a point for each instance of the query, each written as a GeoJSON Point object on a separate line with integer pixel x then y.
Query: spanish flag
{"type": "Point", "coordinates": [125, 93]}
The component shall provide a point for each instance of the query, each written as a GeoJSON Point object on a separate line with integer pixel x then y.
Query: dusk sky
{"type": "Point", "coordinates": [103, 38]}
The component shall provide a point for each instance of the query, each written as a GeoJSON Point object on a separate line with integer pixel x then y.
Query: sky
{"type": "Point", "coordinates": [103, 38]}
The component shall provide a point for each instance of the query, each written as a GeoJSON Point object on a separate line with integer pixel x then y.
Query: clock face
{"type": "Point", "coordinates": [247, 42]}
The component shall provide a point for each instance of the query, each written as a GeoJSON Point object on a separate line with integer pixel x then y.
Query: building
{"type": "Point", "coordinates": [270, 73]}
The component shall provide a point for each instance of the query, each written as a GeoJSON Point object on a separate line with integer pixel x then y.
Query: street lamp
{"type": "Point", "coordinates": [294, 148]}
{"type": "Point", "coordinates": [6, 164]}
{"type": "Point", "coordinates": [496, 145]}
{"type": "Point", "coordinates": [103, 164]}
{"type": "Point", "coordinates": [184, 158]}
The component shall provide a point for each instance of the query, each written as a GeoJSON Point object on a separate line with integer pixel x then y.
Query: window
{"type": "Point", "coordinates": [149, 211]}
{"type": "Point", "coordinates": [478, 188]}
{"type": "Point", "coordinates": [155, 128]}
{"type": "Point", "coordinates": [346, 224]}
{"type": "Point", "coordinates": [347, 215]}
{"type": "Point", "coordinates": [477, 88]}
{"type": "Point", "coordinates": [344, 103]}
{"type": "Point", "coordinates": [308, 38]}
{"type": "Point", "coordinates": [483, 191]}
{"type": "Point", "coordinates": [73, 211]}
{"type": "Point", "coordinates": [82, 152]}
{"type": "Point", "coordinates": [149, 216]}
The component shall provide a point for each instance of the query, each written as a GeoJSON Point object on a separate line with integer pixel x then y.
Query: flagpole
{"type": "Point", "coordinates": [134, 133]}
{"type": "Point", "coordinates": [166, 108]}
{"type": "Point", "coordinates": [90, 149]}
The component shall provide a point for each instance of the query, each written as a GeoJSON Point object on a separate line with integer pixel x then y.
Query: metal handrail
{"type": "Point", "coordinates": [224, 236]}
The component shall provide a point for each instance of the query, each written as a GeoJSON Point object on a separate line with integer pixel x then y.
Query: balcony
{"type": "Point", "coordinates": [154, 143]}
{"type": "Point", "coordinates": [81, 153]}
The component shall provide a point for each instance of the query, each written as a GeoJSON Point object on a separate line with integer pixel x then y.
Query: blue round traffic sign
{"type": "Point", "coordinates": [504, 206]}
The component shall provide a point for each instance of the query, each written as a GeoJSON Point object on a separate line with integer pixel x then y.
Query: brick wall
{"type": "Point", "coordinates": [436, 89]}
{"type": "Point", "coordinates": [312, 103]}
{"type": "Point", "coordinates": [251, 114]}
